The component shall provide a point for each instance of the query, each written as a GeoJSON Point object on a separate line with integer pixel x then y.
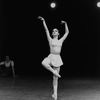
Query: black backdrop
{"type": "Point", "coordinates": [23, 37]}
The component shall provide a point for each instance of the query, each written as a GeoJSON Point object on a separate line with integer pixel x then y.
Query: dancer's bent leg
{"type": "Point", "coordinates": [48, 67]}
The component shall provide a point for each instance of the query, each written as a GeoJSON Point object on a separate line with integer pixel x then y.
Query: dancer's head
{"type": "Point", "coordinates": [55, 33]}
{"type": "Point", "coordinates": [7, 58]}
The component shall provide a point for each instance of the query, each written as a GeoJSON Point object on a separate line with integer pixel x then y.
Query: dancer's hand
{"type": "Point", "coordinates": [63, 22]}
{"type": "Point", "coordinates": [41, 18]}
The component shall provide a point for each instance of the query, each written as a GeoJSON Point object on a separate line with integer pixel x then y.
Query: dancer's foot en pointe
{"type": "Point", "coordinates": [54, 96]}
{"type": "Point", "coordinates": [56, 74]}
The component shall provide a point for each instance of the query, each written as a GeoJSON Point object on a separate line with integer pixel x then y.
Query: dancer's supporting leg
{"type": "Point", "coordinates": [48, 67]}
{"type": "Point", "coordinates": [55, 83]}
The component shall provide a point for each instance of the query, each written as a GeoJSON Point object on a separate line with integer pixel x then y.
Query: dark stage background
{"type": "Point", "coordinates": [23, 38]}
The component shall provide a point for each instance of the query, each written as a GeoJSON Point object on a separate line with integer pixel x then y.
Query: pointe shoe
{"type": "Point", "coordinates": [56, 74]}
{"type": "Point", "coordinates": [54, 96]}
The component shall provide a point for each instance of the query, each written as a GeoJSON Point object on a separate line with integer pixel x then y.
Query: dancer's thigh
{"type": "Point", "coordinates": [57, 69]}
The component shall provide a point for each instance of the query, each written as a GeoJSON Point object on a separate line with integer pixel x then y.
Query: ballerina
{"type": "Point", "coordinates": [54, 58]}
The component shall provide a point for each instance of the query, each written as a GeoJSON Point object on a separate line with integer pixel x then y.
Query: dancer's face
{"type": "Point", "coordinates": [7, 58]}
{"type": "Point", "coordinates": [55, 33]}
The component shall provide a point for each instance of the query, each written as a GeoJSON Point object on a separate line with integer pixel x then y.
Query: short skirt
{"type": "Point", "coordinates": [54, 60]}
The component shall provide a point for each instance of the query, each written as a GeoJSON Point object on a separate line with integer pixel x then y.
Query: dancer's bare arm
{"type": "Point", "coordinates": [12, 63]}
{"type": "Point", "coordinates": [2, 63]}
{"type": "Point", "coordinates": [46, 29]}
{"type": "Point", "coordinates": [13, 70]}
{"type": "Point", "coordinates": [66, 31]}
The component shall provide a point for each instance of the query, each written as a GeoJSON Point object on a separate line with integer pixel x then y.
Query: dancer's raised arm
{"type": "Point", "coordinates": [46, 29]}
{"type": "Point", "coordinates": [66, 31]}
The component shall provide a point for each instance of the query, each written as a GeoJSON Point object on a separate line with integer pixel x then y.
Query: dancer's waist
{"type": "Point", "coordinates": [55, 53]}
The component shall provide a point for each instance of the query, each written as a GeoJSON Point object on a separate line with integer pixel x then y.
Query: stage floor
{"type": "Point", "coordinates": [41, 89]}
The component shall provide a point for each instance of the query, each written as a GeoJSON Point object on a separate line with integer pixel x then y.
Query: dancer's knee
{"type": "Point", "coordinates": [45, 63]}
{"type": "Point", "coordinates": [55, 78]}
{"type": "Point", "coordinates": [42, 63]}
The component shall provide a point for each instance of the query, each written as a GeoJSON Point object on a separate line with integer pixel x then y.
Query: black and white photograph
{"type": "Point", "coordinates": [50, 50]}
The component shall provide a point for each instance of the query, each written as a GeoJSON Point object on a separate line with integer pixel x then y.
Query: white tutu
{"type": "Point", "coordinates": [54, 60]}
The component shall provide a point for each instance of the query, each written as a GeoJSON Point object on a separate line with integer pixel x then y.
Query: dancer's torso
{"type": "Point", "coordinates": [7, 64]}
{"type": "Point", "coordinates": [55, 46]}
